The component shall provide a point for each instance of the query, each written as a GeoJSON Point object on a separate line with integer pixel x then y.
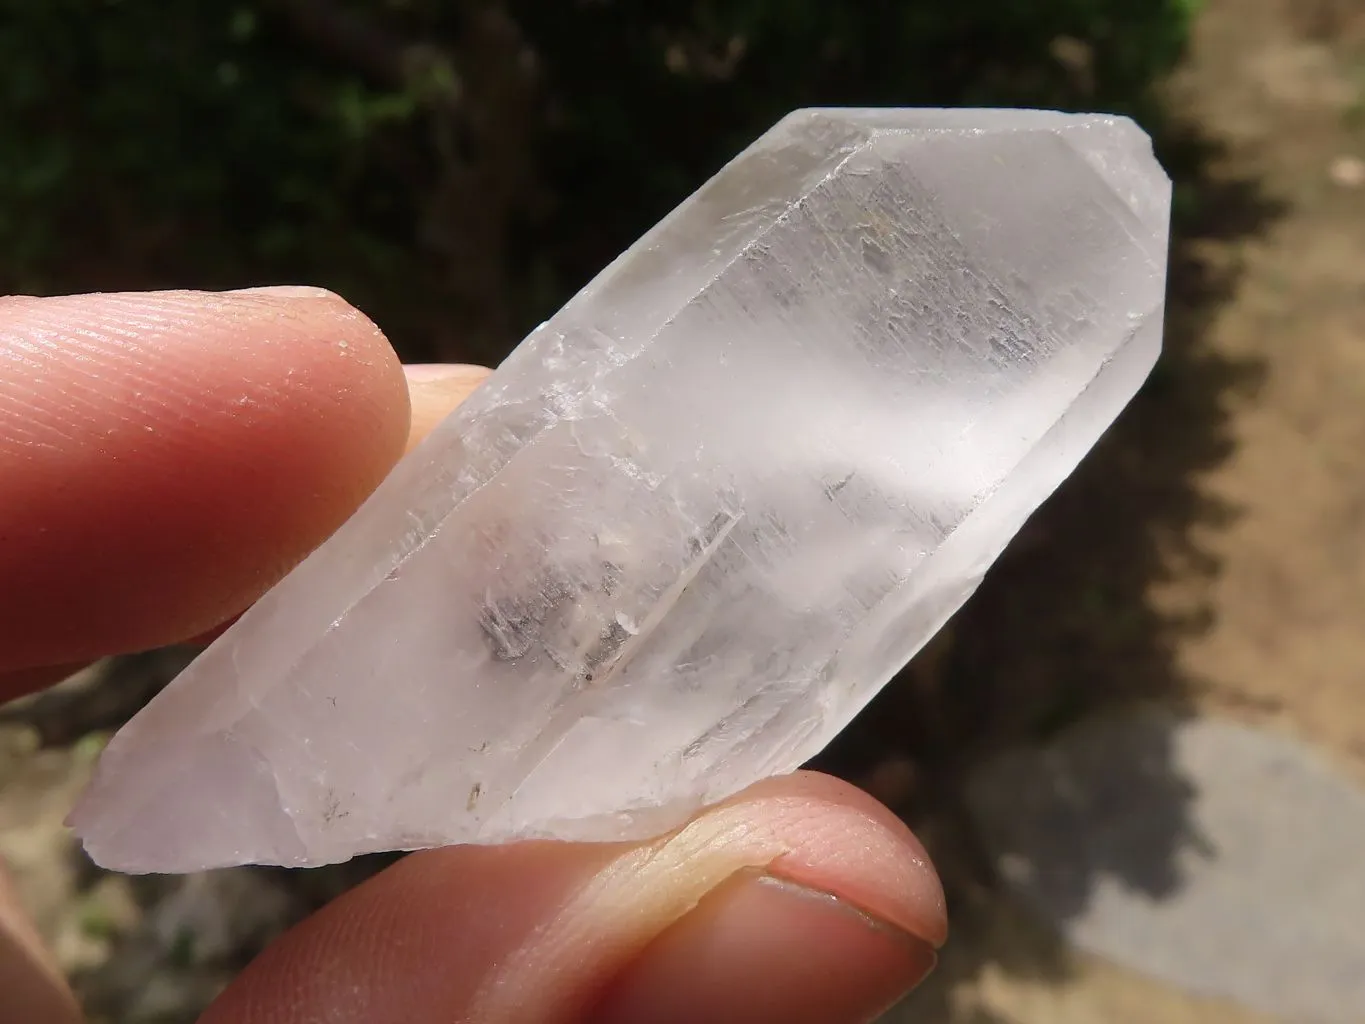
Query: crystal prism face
{"type": "Point", "coordinates": [695, 521]}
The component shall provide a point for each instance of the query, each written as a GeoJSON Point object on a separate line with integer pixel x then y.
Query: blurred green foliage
{"type": "Point", "coordinates": [458, 166]}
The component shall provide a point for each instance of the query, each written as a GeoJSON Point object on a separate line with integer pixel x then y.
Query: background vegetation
{"type": "Point", "coordinates": [458, 167]}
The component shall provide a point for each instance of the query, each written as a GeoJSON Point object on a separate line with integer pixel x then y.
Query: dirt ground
{"type": "Point", "coordinates": [1243, 474]}
{"type": "Point", "coordinates": [1211, 554]}
{"type": "Point", "coordinates": [1283, 83]}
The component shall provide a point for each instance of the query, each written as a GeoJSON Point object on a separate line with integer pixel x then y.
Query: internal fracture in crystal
{"type": "Point", "coordinates": [695, 521]}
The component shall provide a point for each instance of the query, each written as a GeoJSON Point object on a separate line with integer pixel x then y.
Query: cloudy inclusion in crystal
{"type": "Point", "coordinates": [695, 521]}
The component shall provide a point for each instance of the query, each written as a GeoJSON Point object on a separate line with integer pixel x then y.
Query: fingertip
{"type": "Point", "coordinates": [166, 456]}
{"type": "Point", "coordinates": [856, 848]}
{"type": "Point", "coordinates": [827, 835]}
{"type": "Point", "coordinates": [758, 948]}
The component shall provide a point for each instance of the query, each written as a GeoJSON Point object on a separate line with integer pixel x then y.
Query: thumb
{"type": "Point", "coordinates": [800, 900]}
{"type": "Point", "coordinates": [33, 986]}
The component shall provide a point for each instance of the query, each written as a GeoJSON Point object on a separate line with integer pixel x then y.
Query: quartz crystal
{"type": "Point", "coordinates": [695, 521]}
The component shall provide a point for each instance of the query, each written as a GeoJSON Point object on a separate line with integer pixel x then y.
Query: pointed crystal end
{"type": "Point", "coordinates": [695, 521]}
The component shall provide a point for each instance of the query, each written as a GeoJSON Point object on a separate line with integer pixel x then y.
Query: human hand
{"type": "Point", "coordinates": [164, 459]}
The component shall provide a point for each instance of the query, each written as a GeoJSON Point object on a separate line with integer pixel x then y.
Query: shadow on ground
{"type": "Point", "coordinates": [1064, 625]}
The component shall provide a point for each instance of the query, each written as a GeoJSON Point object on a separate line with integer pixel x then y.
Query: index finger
{"type": "Point", "coordinates": [166, 456]}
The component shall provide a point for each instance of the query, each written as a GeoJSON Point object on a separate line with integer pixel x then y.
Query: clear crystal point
{"type": "Point", "coordinates": [695, 521]}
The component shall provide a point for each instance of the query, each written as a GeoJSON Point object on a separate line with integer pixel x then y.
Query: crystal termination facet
{"type": "Point", "coordinates": [695, 521]}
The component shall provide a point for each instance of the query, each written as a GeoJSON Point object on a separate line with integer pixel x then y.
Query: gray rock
{"type": "Point", "coordinates": [1224, 860]}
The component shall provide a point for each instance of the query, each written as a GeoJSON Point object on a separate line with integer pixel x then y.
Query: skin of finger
{"type": "Point", "coordinates": [762, 949]}
{"type": "Point", "coordinates": [32, 988]}
{"type": "Point", "coordinates": [436, 392]}
{"type": "Point", "coordinates": [535, 932]}
{"type": "Point", "coordinates": [433, 397]}
{"type": "Point", "coordinates": [29, 680]}
{"type": "Point", "coordinates": [167, 456]}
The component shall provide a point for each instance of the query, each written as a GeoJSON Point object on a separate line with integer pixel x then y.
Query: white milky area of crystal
{"type": "Point", "coordinates": [695, 521]}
